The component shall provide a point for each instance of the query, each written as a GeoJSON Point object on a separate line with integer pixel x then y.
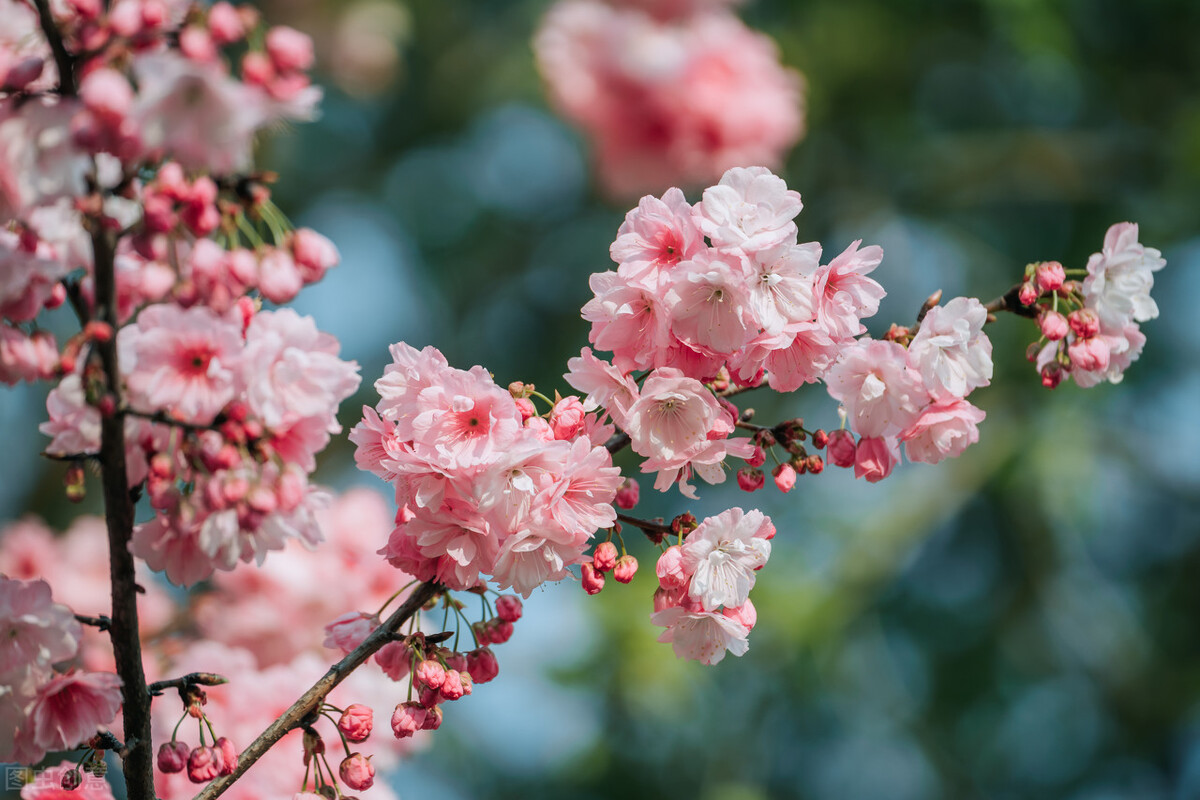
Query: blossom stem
{"type": "Point", "coordinates": [651, 529]}
{"type": "Point", "coordinates": [62, 59]}
{"type": "Point", "coordinates": [1010, 302]}
{"type": "Point", "coordinates": [315, 696]}
{"type": "Point", "coordinates": [183, 682]}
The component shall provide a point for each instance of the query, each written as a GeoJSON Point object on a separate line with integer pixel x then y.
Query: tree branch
{"type": "Point", "coordinates": [650, 528]}
{"type": "Point", "coordinates": [64, 60]}
{"type": "Point", "coordinates": [101, 622]}
{"type": "Point", "coordinates": [138, 766]}
{"type": "Point", "coordinates": [184, 681]}
{"type": "Point", "coordinates": [311, 700]}
{"type": "Point", "coordinates": [1010, 301]}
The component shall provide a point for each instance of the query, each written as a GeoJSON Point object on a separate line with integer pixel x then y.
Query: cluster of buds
{"type": "Point", "coordinates": [356, 771]}
{"type": "Point", "coordinates": [204, 762]}
{"type": "Point", "coordinates": [605, 558]}
{"type": "Point", "coordinates": [789, 437]}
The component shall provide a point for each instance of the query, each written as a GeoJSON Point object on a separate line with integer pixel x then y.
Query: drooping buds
{"type": "Point", "coordinates": [625, 568]}
{"type": "Point", "coordinates": [172, 757]}
{"type": "Point", "coordinates": [357, 772]}
{"type": "Point", "coordinates": [593, 580]}
{"type": "Point", "coordinates": [605, 556]}
{"type": "Point", "coordinates": [508, 607]}
{"type": "Point", "coordinates": [356, 722]}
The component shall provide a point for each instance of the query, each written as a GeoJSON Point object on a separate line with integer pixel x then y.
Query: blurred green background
{"type": "Point", "coordinates": [1018, 623]}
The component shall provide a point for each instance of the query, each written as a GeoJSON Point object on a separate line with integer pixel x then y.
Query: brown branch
{"type": "Point", "coordinates": [311, 700]}
{"type": "Point", "coordinates": [138, 764]}
{"type": "Point", "coordinates": [164, 419]}
{"type": "Point", "coordinates": [647, 526]}
{"type": "Point", "coordinates": [619, 441]}
{"type": "Point", "coordinates": [184, 681]}
{"type": "Point", "coordinates": [101, 622]}
{"type": "Point", "coordinates": [64, 60]}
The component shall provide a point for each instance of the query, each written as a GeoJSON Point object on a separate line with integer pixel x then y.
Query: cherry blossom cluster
{"type": "Point", "coordinates": [668, 91]}
{"type": "Point", "coordinates": [486, 487]}
{"type": "Point", "coordinates": [44, 707]}
{"type": "Point", "coordinates": [1090, 330]}
{"type": "Point", "coordinates": [251, 625]}
{"type": "Point", "coordinates": [202, 763]}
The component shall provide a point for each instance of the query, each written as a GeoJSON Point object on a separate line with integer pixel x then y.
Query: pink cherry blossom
{"type": "Point", "coordinates": [944, 430]}
{"type": "Point", "coordinates": [69, 709]}
{"type": "Point", "coordinates": [951, 351]}
{"type": "Point", "coordinates": [748, 211]}
{"type": "Point", "coordinates": [703, 636]}
{"type": "Point", "coordinates": [627, 320]}
{"type": "Point", "coordinates": [35, 631]}
{"type": "Point", "coordinates": [603, 384]}
{"type": "Point", "coordinates": [183, 362]}
{"type": "Point", "coordinates": [844, 294]}
{"type": "Point", "coordinates": [709, 306]}
{"type": "Point", "coordinates": [881, 393]}
{"type": "Point", "coordinates": [654, 238]}
{"type": "Point", "coordinates": [722, 555]}
{"type": "Point", "coordinates": [1121, 276]}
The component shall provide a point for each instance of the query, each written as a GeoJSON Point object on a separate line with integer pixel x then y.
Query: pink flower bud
{"type": "Point", "coordinates": [224, 23]}
{"type": "Point", "coordinates": [452, 686]}
{"type": "Point", "coordinates": [668, 598]}
{"type": "Point", "coordinates": [604, 557]}
{"type": "Point", "coordinates": [502, 631]}
{"type": "Point", "coordinates": [454, 661]}
{"type": "Point", "coordinates": [629, 494]}
{"type": "Point", "coordinates": [289, 49]}
{"type": "Point", "coordinates": [785, 477]}
{"type": "Point", "coordinates": [1090, 355]}
{"type": "Point", "coordinates": [395, 659]}
{"type": "Point", "coordinates": [197, 44]}
{"type": "Point", "coordinates": [407, 719]}
{"type": "Point", "coordinates": [819, 439]}
{"type": "Point", "coordinates": [526, 407]}
{"type": "Point", "coordinates": [278, 279]}
{"type": "Point", "coordinates": [314, 254]}
{"type": "Point", "coordinates": [357, 772]}
{"type": "Point", "coordinates": [874, 459]}
{"type": "Point", "coordinates": [356, 722]}
{"type": "Point", "coordinates": [1028, 294]}
{"type": "Point", "coordinates": [468, 683]}
{"type": "Point", "coordinates": [229, 756]}
{"type": "Point", "coordinates": [758, 457]}
{"type": "Point", "coordinates": [567, 417]}
{"type": "Point", "coordinates": [593, 581]}
{"type": "Point", "coordinates": [1084, 322]}
{"type": "Point", "coordinates": [203, 765]}
{"type": "Point", "coordinates": [431, 673]}
{"type": "Point", "coordinates": [508, 607]}
{"type": "Point", "coordinates": [482, 665]}
{"type": "Point", "coordinates": [257, 69]}
{"type": "Point", "coordinates": [841, 448]}
{"type": "Point", "coordinates": [626, 568]}
{"type": "Point", "coordinates": [745, 614]}
{"type": "Point", "coordinates": [669, 568]}
{"type": "Point", "coordinates": [71, 780]}
{"type": "Point", "coordinates": [433, 719]}
{"type": "Point", "coordinates": [429, 697]}
{"type": "Point", "coordinates": [1054, 325]}
{"type": "Point", "coordinates": [172, 757]}
{"type": "Point", "coordinates": [1052, 375]}
{"type": "Point", "coordinates": [1050, 276]}
{"type": "Point", "coordinates": [750, 480]}
{"type": "Point", "coordinates": [814, 464]}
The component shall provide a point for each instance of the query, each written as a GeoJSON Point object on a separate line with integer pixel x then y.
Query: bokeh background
{"type": "Point", "coordinates": [1019, 623]}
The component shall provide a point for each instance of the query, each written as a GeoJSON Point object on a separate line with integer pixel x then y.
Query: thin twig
{"type": "Point", "coordinates": [1010, 301]}
{"type": "Point", "coordinates": [102, 622]}
{"type": "Point", "coordinates": [184, 681]}
{"type": "Point", "coordinates": [311, 700]}
{"type": "Point", "coordinates": [648, 526]}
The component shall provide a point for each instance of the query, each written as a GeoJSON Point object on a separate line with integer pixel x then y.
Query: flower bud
{"type": "Point", "coordinates": [452, 686]}
{"type": "Point", "coordinates": [71, 780]}
{"type": "Point", "coordinates": [841, 448]}
{"type": "Point", "coordinates": [1050, 276]}
{"type": "Point", "coordinates": [625, 569]}
{"type": "Point", "coordinates": [567, 417]}
{"type": "Point", "coordinates": [604, 557]}
{"type": "Point", "coordinates": [289, 49]}
{"type": "Point", "coordinates": [508, 607]}
{"type": "Point", "coordinates": [1090, 355]}
{"type": "Point", "coordinates": [407, 719]}
{"type": "Point", "coordinates": [431, 673]}
{"type": "Point", "coordinates": [172, 757]}
{"type": "Point", "coordinates": [628, 494]}
{"type": "Point", "coordinates": [1084, 322]}
{"type": "Point", "coordinates": [482, 665]}
{"type": "Point", "coordinates": [314, 745]}
{"type": "Point", "coordinates": [501, 631]}
{"type": "Point", "coordinates": [758, 457]}
{"type": "Point", "coordinates": [1028, 294]}
{"type": "Point", "coordinates": [750, 480]}
{"type": "Point", "coordinates": [356, 722]}
{"type": "Point", "coordinates": [814, 464]}
{"type": "Point", "coordinates": [526, 407]}
{"type": "Point", "coordinates": [229, 756]}
{"type": "Point", "coordinates": [819, 439]}
{"type": "Point", "coordinates": [669, 568]}
{"type": "Point", "coordinates": [433, 719]}
{"type": "Point", "coordinates": [1053, 324]}
{"type": "Point", "coordinates": [203, 765]}
{"type": "Point", "coordinates": [684, 524]}
{"type": "Point", "coordinates": [785, 477]}
{"type": "Point", "coordinates": [1052, 375]}
{"type": "Point", "coordinates": [593, 581]}
{"type": "Point", "coordinates": [357, 772]}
